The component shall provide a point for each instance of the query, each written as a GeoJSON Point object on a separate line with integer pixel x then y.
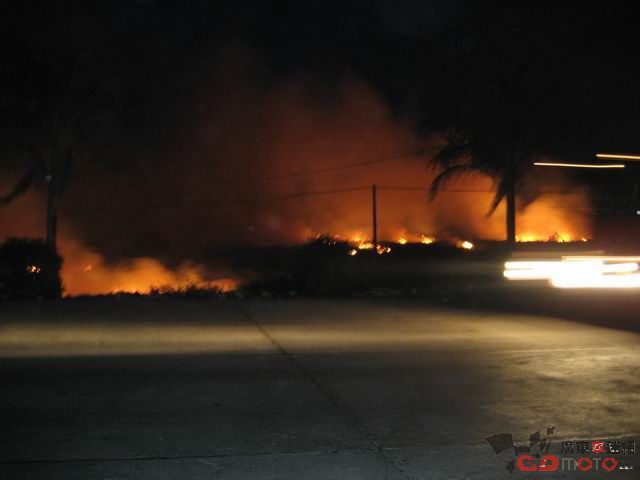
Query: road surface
{"type": "Point", "coordinates": [371, 389]}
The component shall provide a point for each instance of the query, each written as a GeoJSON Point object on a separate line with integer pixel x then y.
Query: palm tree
{"type": "Point", "coordinates": [50, 116]}
{"type": "Point", "coordinates": [466, 154]}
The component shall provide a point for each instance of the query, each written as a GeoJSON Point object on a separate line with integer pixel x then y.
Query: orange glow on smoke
{"type": "Point", "coordinates": [85, 272]}
{"type": "Point", "coordinates": [350, 125]}
{"type": "Point", "coordinates": [402, 220]}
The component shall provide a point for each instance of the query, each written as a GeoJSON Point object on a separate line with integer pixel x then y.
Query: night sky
{"type": "Point", "coordinates": [427, 59]}
{"type": "Point", "coordinates": [207, 94]}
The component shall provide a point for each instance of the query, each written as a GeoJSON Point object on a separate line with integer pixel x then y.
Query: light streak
{"type": "Point", "coordinates": [579, 271]}
{"type": "Point", "coordinates": [596, 281]}
{"type": "Point", "coordinates": [580, 165]}
{"type": "Point", "coordinates": [616, 155]}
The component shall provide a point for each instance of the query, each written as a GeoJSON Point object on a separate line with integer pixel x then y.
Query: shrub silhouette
{"type": "Point", "coordinates": [29, 268]}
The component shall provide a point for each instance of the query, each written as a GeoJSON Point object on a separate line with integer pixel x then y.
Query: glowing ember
{"type": "Point", "coordinates": [466, 245]}
{"type": "Point", "coordinates": [365, 246]}
{"type": "Point", "coordinates": [33, 269]}
{"type": "Point", "coordinates": [381, 249]}
{"type": "Point", "coordinates": [555, 237]}
{"type": "Point", "coordinates": [353, 252]}
{"type": "Point", "coordinates": [427, 240]}
{"type": "Point", "coordinates": [402, 241]}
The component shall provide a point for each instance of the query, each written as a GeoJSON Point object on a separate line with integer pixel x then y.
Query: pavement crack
{"type": "Point", "coordinates": [153, 458]}
{"type": "Point", "coordinates": [344, 410]}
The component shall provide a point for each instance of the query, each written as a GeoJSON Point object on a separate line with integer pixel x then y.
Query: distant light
{"type": "Point", "coordinates": [615, 155]}
{"type": "Point", "coordinates": [580, 165]}
{"type": "Point", "coordinates": [467, 245]}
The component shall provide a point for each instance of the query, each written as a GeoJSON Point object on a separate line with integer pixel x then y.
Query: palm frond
{"type": "Point", "coordinates": [449, 174]}
{"type": "Point", "coordinates": [501, 192]}
{"type": "Point", "coordinates": [497, 198]}
{"type": "Point", "coordinates": [451, 153]}
{"type": "Point", "coordinates": [22, 185]}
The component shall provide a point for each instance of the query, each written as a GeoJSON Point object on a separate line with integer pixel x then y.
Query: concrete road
{"type": "Point", "coordinates": [135, 389]}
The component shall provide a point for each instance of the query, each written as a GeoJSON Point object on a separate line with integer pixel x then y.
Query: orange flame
{"type": "Point", "coordinates": [85, 272]}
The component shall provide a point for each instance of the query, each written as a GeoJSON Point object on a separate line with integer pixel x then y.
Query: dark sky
{"type": "Point", "coordinates": [184, 70]}
{"type": "Point", "coordinates": [422, 56]}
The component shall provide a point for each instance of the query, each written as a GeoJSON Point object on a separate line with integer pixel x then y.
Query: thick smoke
{"type": "Point", "coordinates": [214, 183]}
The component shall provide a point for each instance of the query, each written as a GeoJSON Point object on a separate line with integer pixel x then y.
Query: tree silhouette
{"type": "Point", "coordinates": [52, 114]}
{"type": "Point", "coordinates": [467, 154]}
{"type": "Point", "coordinates": [501, 112]}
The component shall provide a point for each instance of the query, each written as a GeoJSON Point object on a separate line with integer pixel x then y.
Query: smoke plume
{"type": "Point", "coordinates": [260, 159]}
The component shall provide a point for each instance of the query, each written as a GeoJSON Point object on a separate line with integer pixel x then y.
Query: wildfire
{"type": "Point", "coordinates": [86, 272]}
{"type": "Point", "coordinates": [356, 125]}
{"type": "Point", "coordinates": [557, 237]}
{"type": "Point", "coordinates": [406, 238]}
{"type": "Point", "coordinates": [380, 249]}
{"type": "Point", "coordinates": [359, 244]}
{"type": "Point", "coordinates": [528, 237]}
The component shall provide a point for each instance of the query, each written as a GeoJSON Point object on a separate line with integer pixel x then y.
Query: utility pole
{"type": "Point", "coordinates": [374, 212]}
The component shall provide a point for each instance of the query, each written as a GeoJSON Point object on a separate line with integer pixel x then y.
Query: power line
{"type": "Point", "coordinates": [425, 189]}
{"type": "Point", "coordinates": [259, 201]}
{"type": "Point", "coordinates": [319, 171]}
{"type": "Point", "coordinates": [209, 203]}
{"type": "Point", "coordinates": [461, 190]}
{"type": "Point", "coordinates": [339, 168]}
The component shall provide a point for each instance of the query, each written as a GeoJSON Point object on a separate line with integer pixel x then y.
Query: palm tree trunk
{"type": "Point", "coordinates": [511, 212]}
{"type": "Point", "coordinates": [52, 218]}
{"type": "Point", "coordinates": [56, 180]}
